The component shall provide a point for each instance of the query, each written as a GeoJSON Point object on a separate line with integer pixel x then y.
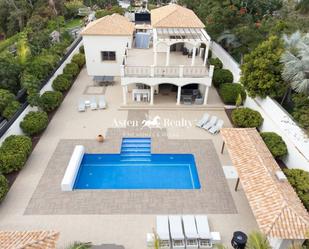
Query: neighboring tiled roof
{"type": "Point", "coordinates": [175, 16]}
{"type": "Point", "coordinates": [114, 24]}
{"type": "Point", "coordinates": [275, 205]}
{"type": "Point", "coordinates": [28, 240]}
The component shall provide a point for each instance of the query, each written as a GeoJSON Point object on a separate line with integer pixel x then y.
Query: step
{"type": "Point", "coordinates": [130, 154]}
{"type": "Point", "coordinates": [136, 149]}
{"type": "Point", "coordinates": [136, 140]}
{"type": "Point", "coordinates": [136, 159]}
{"type": "Point", "coordinates": [134, 145]}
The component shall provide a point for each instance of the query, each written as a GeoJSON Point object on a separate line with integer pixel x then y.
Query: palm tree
{"type": "Point", "coordinates": [80, 245]}
{"type": "Point", "coordinates": [257, 240]}
{"type": "Point", "coordinates": [296, 62]}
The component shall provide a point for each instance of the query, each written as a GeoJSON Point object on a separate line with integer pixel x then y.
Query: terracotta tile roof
{"type": "Point", "coordinates": [275, 205]}
{"type": "Point", "coordinates": [174, 16]}
{"type": "Point", "coordinates": [114, 24]}
{"type": "Point", "coordinates": [28, 240]}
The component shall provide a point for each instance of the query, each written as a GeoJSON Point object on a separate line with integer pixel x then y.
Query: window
{"type": "Point", "coordinates": [108, 55]}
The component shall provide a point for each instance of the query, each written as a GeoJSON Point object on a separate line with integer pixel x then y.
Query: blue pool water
{"type": "Point", "coordinates": [137, 168]}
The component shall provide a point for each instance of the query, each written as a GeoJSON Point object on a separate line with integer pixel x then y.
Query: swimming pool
{"type": "Point", "coordinates": [137, 168]}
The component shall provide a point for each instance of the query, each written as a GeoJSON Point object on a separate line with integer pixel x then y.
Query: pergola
{"type": "Point", "coordinates": [28, 239]}
{"type": "Point", "coordinates": [279, 213]}
{"type": "Point", "coordinates": [170, 36]}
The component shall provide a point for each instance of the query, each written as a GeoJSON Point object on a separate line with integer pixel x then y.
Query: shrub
{"type": "Point", "coordinates": [71, 69]}
{"type": "Point", "coordinates": [82, 49]}
{"type": "Point", "coordinates": [246, 117]}
{"type": "Point", "coordinates": [275, 144]}
{"type": "Point", "coordinates": [216, 62]}
{"type": "Point", "coordinates": [6, 98]}
{"type": "Point", "coordinates": [14, 152]}
{"type": "Point", "coordinates": [61, 83]}
{"type": "Point", "coordinates": [11, 109]}
{"type": "Point", "coordinates": [229, 93]}
{"type": "Point", "coordinates": [34, 123]}
{"type": "Point", "coordinates": [299, 179]}
{"type": "Point", "coordinates": [50, 100]}
{"type": "Point", "coordinates": [222, 76]}
{"type": "Point", "coordinates": [4, 187]}
{"type": "Point", "coordinates": [79, 59]}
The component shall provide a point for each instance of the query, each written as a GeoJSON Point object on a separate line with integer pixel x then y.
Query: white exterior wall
{"type": "Point", "coordinates": [95, 44]}
{"type": "Point", "coordinates": [276, 119]}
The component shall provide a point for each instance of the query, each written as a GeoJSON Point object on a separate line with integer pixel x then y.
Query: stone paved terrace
{"type": "Point", "coordinates": [124, 229]}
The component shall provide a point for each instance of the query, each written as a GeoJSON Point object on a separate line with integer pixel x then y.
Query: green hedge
{"type": "Point", "coordinates": [81, 49]}
{"type": "Point", "coordinates": [50, 100]}
{"type": "Point", "coordinates": [11, 109]}
{"type": "Point", "coordinates": [14, 153]}
{"type": "Point", "coordinates": [71, 69]}
{"type": "Point", "coordinates": [229, 93]}
{"type": "Point", "coordinates": [34, 123]}
{"type": "Point", "coordinates": [79, 59]}
{"type": "Point", "coordinates": [222, 76]}
{"type": "Point", "coordinates": [275, 144]}
{"type": "Point", "coordinates": [246, 117]}
{"type": "Point", "coordinates": [299, 179]}
{"type": "Point", "coordinates": [4, 187]}
{"type": "Point", "coordinates": [62, 83]}
{"type": "Point", "coordinates": [216, 62]}
{"type": "Point", "coordinates": [6, 97]}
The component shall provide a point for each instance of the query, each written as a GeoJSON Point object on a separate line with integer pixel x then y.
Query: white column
{"type": "Point", "coordinates": [152, 67]}
{"type": "Point", "coordinates": [206, 95]}
{"type": "Point", "coordinates": [181, 70]}
{"type": "Point", "coordinates": [167, 56]}
{"type": "Point", "coordinates": [206, 55]}
{"type": "Point", "coordinates": [124, 94]}
{"type": "Point", "coordinates": [122, 70]}
{"type": "Point", "coordinates": [193, 56]}
{"type": "Point", "coordinates": [155, 54]}
{"type": "Point", "coordinates": [151, 94]}
{"type": "Point", "coordinates": [178, 95]}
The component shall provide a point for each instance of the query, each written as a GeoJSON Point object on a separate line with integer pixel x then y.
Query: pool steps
{"type": "Point", "coordinates": [135, 150]}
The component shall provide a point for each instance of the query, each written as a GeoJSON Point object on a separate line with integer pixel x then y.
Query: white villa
{"type": "Point", "coordinates": [168, 56]}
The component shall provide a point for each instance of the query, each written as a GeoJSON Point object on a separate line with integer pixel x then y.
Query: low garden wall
{"type": "Point", "coordinates": [14, 128]}
{"type": "Point", "coordinates": [276, 119]}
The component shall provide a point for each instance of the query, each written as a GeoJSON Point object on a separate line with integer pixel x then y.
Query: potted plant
{"type": "Point", "coordinates": [100, 138]}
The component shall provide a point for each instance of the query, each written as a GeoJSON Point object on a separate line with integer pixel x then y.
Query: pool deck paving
{"type": "Point", "coordinates": [35, 201]}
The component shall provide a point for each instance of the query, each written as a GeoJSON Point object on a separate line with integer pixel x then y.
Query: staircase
{"type": "Point", "coordinates": [135, 150]}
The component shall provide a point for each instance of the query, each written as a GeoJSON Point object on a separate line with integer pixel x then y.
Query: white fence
{"type": "Point", "coordinates": [276, 119]}
{"type": "Point", "coordinates": [15, 129]}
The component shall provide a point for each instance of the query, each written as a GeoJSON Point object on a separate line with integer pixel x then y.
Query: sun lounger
{"type": "Point", "coordinates": [203, 231]}
{"type": "Point", "coordinates": [102, 102]}
{"type": "Point", "coordinates": [217, 127]}
{"type": "Point", "coordinates": [203, 120]}
{"type": "Point", "coordinates": [177, 236]}
{"type": "Point", "coordinates": [81, 106]}
{"type": "Point", "coordinates": [191, 235]}
{"type": "Point", "coordinates": [93, 103]}
{"type": "Point", "coordinates": [213, 120]}
{"type": "Point", "coordinates": [163, 231]}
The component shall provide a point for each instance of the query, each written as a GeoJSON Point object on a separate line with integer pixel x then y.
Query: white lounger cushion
{"type": "Point", "coordinates": [163, 227]}
{"type": "Point", "coordinates": [202, 226]}
{"type": "Point", "coordinates": [81, 106]}
{"type": "Point", "coordinates": [217, 127]}
{"type": "Point", "coordinates": [203, 120]}
{"type": "Point", "coordinates": [189, 227]}
{"type": "Point", "coordinates": [176, 227]}
{"type": "Point", "coordinates": [102, 102]}
{"type": "Point", "coordinates": [213, 120]}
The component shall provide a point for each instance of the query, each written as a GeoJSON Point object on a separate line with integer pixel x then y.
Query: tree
{"type": "Point", "coordinates": [9, 73]}
{"type": "Point", "coordinates": [261, 71]}
{"type": "Point", "coordinates": [296, 62]}
{"type": "Point", "coordinates": [6, 98]}
{"type": "Point", "coordinates": [257, 240]}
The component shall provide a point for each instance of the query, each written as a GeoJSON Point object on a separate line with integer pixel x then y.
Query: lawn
{"type": "Point", "coordinates": [73, 23]}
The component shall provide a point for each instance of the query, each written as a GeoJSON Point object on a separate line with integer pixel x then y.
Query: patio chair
{"type": "Point", "coordinates": [81, 106]}
{"type": "Point", "coordinates": [177, 236]}
{"type": "Point", "coordinates": [203, 120]}
{"type": "Point", "coordinates": [191, 234]}
{"type": "Point", "coordinates": [102, 102]}
{"type": "Point", "coordinates": [213, 120]}
{"type": "Point", "coordinates": [203, 231]}
{"type": "Point", "coordinates": [93, 103]}
{"type": "Point", "coordinates": [163, 231]}
{"type": "Point", "coordinates": [217, 127]}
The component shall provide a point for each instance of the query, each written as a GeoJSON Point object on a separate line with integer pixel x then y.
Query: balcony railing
{"type": "Point", "coordinates": [165, 71]}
